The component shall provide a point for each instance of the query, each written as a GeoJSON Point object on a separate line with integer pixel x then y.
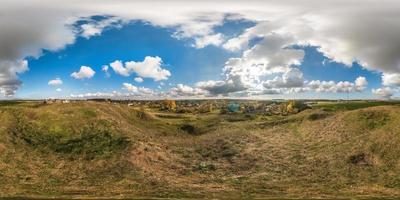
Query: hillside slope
{"type": "Point", "coordinates": [97, 149]}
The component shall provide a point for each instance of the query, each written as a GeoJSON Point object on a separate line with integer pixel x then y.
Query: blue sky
{"type": "Point", "coordinates": [256, 51]}
{"type": "Point", "coordinates": [187, 64]}
{"type": "Point", "coordinates": [132, 42]}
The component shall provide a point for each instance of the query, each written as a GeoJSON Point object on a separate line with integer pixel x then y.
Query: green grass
{"type": "Point", "coordinates": [90, 141]}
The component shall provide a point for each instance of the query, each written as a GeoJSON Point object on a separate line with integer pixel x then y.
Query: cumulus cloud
{"type": "Point", "coordinates": [84, 72]}
{"type": "Point", "coordinates": [119, 68]}
{"type": "Point", "coordinates": [338, 87]}
{"type": "Point", "coordinates": [201, 42]}
{"type": "Point", "coordinates": [391, 79]}
{"type": "Point", "coordinates": [137, 90]}
{"type": "Point", "coordinates": [384, 93]}
{"type": "Point", "coordinates": [185, 91]}
{"type": "Point", "coordinates": [95, 27]}
{"type": "Point", "coordinates": [150, 67]}
{"type": "Point", "coordinates": [360, 83]}
{"type": "Point", "coordinates": [231, 85]}
{"type": "Point", "coordinates": [290, 79]}
{"type": "Point", "coordinates": [55, 82]}
{"type": "Point", "coordinates": [138, 79]}
{"type": "Point", "coordinates": [274, 54]}
{"type": "Point", "coordinates": [9, 71]}
{"type": "Point", "coordinates": [129, 87]}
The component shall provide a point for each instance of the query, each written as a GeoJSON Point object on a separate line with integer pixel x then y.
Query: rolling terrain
{"type": "Point", "coordinates": [92, 149]}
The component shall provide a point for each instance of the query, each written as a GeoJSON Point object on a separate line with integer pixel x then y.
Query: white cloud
{"type": "Point", "coordinates": [338, 87]}
{"type": "Point", "coordinates": [105, 68]}
{"type": "Point", "coordinates": [96, 27]}
{"type": "Point", "coordinates": [385, 93]}
{"type": "Point", "coordinates": [150, 67]}
{"type": "Point", "coordinates": [391, 79]}
{"type": "Point", "coordinates": [204, 41]}
{"type": "Point", "coordinates": [231, 85]}
{"type": "Point", "coordinates": [272, 55]}
{"type": "Point", "coordinates": [360, 83]}
{"type": "Point", "coordinates": [59, 90]}
{"type": "Point", "coordinates": [345, 31]}
{"type": "Point", "coordinates": [55, 82]}
{"type": "Point", "coordinates": [143, 93]}
{"type": "Point", "coordinates": [138, 79]}
{"type": "Point", "coordinates": [137, 90]}
{"type": "Point", "coordinates": [129, 87]}
{"type": "Point", "coordinates": [119, 68]}
{"type": "Point", "coordinates": [84, 72]}
{"type": "Point", "coordinates": [290, 79]}
{"type": "Point", "coordinates": [9, 71]}
{"type": "Point", "coordinates": [185, 91]}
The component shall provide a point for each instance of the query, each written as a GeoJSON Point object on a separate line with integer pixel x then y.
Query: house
{"type": "Point", "coordinates": [233, 107]}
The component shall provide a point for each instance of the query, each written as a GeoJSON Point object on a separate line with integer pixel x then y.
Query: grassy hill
{"type": "Point", "coordinates": [89, 149]}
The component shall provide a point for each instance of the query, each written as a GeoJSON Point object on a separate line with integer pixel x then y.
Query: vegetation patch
{"type": "Point", "coordinates": [239, 117]}
{"type": "Point", "coordinates": [204, 167]}
{"type": "Point", "coordinates": [141, 114]}
{"type": "Point", "coordinates": [191, 129]}
{"type": "Point", "coordinates": [89, 142]}
{"type": "Point", "coordinates": [373, 119]}
{"type": "Point", "coordinates": [360, 159]}
{"type": "Point", "coordinates": [280, 122]}
{"type": "Point", "coordinates": [171, 116]}
{"type": "Point", "coordinates": [88, 112]}
{"type": "Point", "coordinates": [318, 116]}
{"type": "Point", "coordinates": [219, 149]}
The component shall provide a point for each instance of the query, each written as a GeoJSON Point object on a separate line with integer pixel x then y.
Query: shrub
{"type": "Point", "coordinates": [189, 129]}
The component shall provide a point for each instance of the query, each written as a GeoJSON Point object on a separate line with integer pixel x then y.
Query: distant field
{"type": "Point", "coordinates": [89, 149]}
{"type": "Point", "coordinates": [353, 105]}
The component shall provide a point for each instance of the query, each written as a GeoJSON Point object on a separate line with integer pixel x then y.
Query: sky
{"type": "Point", "coordinates": [137, 49]}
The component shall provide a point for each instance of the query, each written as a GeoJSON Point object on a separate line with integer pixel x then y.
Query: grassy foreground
{"type": "Point", "coordinates": [88, 149]}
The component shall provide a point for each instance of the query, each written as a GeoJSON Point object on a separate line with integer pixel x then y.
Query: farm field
{"type": "Point", "coordinates": [88, 149]}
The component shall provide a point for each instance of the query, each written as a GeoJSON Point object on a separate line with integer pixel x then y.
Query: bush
{"type": "Point", "coordinates": [189, 129]}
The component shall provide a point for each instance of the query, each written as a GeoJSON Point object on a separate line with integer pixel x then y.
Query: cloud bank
{"type": "Point", "coordinates": [344, 31]}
